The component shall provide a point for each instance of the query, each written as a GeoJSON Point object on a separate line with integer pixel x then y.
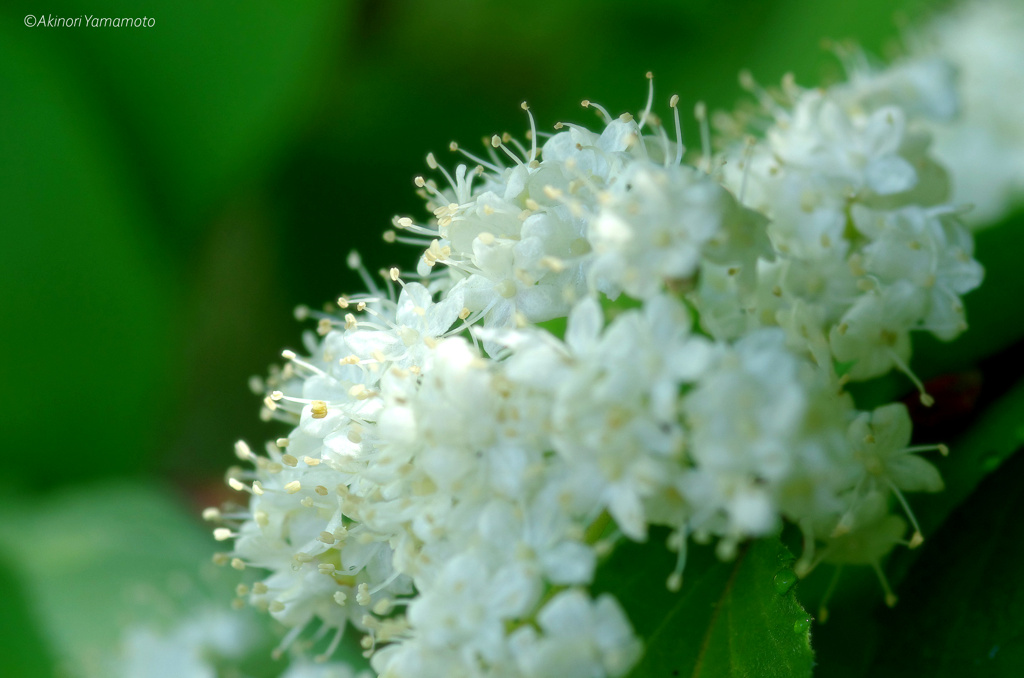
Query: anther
{"type": "Point", "coordinates": [363, 594]}
{"type": "Point", "coordinates": [243, 452]}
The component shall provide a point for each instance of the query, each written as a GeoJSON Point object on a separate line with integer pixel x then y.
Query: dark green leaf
{"type": "Point", "coordinates": [991, 440]}
{"type": "Point", "coordinates": [962, 609]}
{"type": "Point", "coordinates": [730, 619]}
{"type": "Point", "coordinates": [996, 435]}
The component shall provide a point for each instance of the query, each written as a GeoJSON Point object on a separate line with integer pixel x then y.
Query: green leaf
{"type": "Point", "coordinates": [102, 561]}
{"type": "Point", "coordinates": [23, 652]}
{"type": "Point", "coordinates": [990, 441]}
{"type": "Point", "coordinates": [98, 558]}
{"type": "Point", "coordinates": [87, 317]}
{"type": "Point", "coordinates": [997, 434]}
{"type": "Point", "coordinates": [205, 98]}
{"type": "Point", "coordinates": [962, 609]}
{"type": "Point", "coordinates": [730, 619]}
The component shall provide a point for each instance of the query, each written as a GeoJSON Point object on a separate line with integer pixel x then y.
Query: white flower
{"type": "Point", "coordinates": [655, 225]}
{"type": "Point", "coordinates": [439, 497]}
{"type": "Point", "coordinates": [983, 146]}
{"type": "Point", "coordinates": [881, 440]}
{"type": "Point", "coordinates": [579, 638]}
{"type": "Point", "coordinates": [189, 650]}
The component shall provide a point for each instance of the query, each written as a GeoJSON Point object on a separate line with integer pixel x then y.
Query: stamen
{"type": "Point", "coordinates": [926, 399]}
{"type": "Point", "coordinates": [432, 164]}
{"type": "Point", "coordinates": [321, 658]}
{"type": "Point", "coordinates": [496, 142]}
{"type": "Point", "coordinates": [290, 355]}
{"type": "Point", "coordinates": [917, 539]}
{"type": "Point", "coordinates": [890, 597]}
{"type": "Point", "coordinates": [587, 103]}
{"type": "Point", "coordinates": [289, 638]}
{"type": "Point", "coordinates": [700, 111]}
{"type": "Point", "coordinates": [748, 152]}
{"type": "Point", "coordinates": [678, 542]}
{"type": "Point", "coordinates": [673, 103]}
{"type": "Point", "coordinates": [455, 148]}
{"type": "Point", "coordinates": [650, 100]}
{"type": "Point", "coordinates": [533, 132]}
{"type": "Point", "coordinates": [355, 263]}
{"type": "Point", "coordinates": [243, 452]}
{"type": "Point", "coordinates": [223, 534]}
{"type": "Point", "coordinates": [823, 609]}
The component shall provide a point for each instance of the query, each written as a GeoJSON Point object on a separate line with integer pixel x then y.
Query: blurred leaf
{"type": "Point", "coordinates": [206, 97]}
{"type": "Point", "coordinates": [100, 562]}
{"type": "Point", "coordinates": [86, 312]}
{"type": "Point", "coordinates": [738, 618]}
{"type": "Point", "coordinates": [853, 630]}
{"type": "Point", "coordinates": [98, 559]}
{"type": "Point", "coordinates": [983, 449]}
{"type": "Point", "coordinates": [25, 653]}
{"type": "Point", "coordinates": [962, 609]}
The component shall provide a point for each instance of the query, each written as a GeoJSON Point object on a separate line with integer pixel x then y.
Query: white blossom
{"type": "Point", "coordinates": [455, 467]}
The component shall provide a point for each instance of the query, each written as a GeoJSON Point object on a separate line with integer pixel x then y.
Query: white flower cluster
{"type": "Point", "coordinates": [188, 650]}
{"type": "Point", "coordinates": [456, 471]}
{"type": "Point", "coordinates": [984, 42]}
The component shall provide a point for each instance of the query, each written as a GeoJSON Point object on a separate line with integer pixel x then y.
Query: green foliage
{"type": "Point", "coordinates": [203, 99]}
{"type": "Point", "coordinates": [997, 434]}
{"type": "Point", "coordinates": [854, 631]}
{"type": "Point", "coordinates": [84, 310]}
{"type": "Point", "coordinates": [729, 619]}
{"type": "Point", "coordinates": [25, 652]}
{"type": "Point", "coordinates": [98, 557]}
{"type": "Point", "coordinates": [963, 603]}
{"type": "Point", "coordinates": [116, 145]}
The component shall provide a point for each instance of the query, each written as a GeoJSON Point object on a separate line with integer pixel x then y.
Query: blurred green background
{"type": "Point", "coordinates": [169, 194]}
